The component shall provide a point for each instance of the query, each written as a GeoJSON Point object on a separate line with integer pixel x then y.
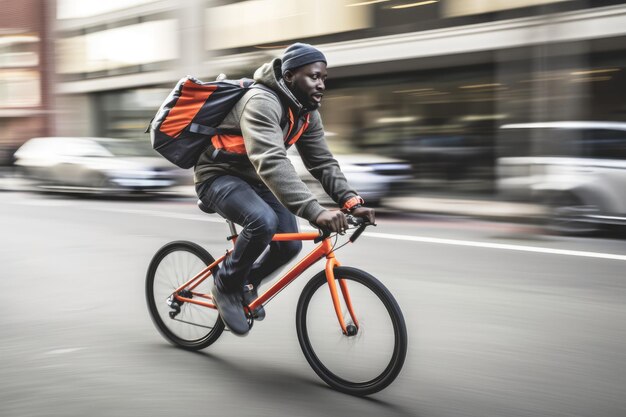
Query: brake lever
{"type": "Point", "coordinates": [355, 221]}
{"type": "Point", "coordinates": [362, 223]}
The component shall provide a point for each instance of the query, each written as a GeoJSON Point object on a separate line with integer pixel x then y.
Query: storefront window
{"type": "Point", "coordinates": [126, 114]}
{"type": "Point", "coordinates": [442, 122]}
{"type": "Point", "coordinates": [447, 122]}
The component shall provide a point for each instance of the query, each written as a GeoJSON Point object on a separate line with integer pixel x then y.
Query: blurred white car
{"type": "Point", "coordinates": [373, 176]}
{"type": "Point", "coordinates": [96, 165]}
{"type": "Point", "coordinates": [581, 178]}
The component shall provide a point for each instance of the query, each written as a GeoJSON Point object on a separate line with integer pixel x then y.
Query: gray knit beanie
{"type": "Point", "coordinates": [300, 54]}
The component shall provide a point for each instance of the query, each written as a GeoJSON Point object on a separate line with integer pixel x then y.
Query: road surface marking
{"type": "Point", "coordinates": [214, 218]}
{"type": "Point", "coordinates": [419, 239]}
{"type": "Point", "coordinates": [504, 246]}
{"type": "Point", "coordinates": [63, 351]}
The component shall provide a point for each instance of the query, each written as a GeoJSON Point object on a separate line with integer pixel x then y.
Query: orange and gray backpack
{"type": "Point", "coordinates": [186, 124]}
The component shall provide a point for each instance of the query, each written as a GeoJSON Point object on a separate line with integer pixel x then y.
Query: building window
{"type": "Point", "coordinates": [19, 51]}
{"type": "Point", "coordinates": [250, 23]}
{"type": "Point", "coordinates": [20, 88]}
{"type": "Point", "coordinates": [76, 9]}
{"type": "Point", "coordinates": [126, 46]}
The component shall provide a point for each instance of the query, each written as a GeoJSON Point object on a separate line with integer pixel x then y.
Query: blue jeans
{"type": "Point", "coordinates": [254, 207]}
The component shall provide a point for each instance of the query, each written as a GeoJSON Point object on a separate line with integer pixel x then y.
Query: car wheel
{"type": "Point", "coordinates": [569, 215]}
{"type": "Point", "coordinates": [97, 183]}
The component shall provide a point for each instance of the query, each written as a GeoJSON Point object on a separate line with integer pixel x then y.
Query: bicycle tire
{"type": "Point", "coordinates": [367, 285]}
{"type": "Point", "coordinates": [195, 327]}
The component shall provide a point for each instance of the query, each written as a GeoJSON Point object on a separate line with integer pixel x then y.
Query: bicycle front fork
{"type": "Point", "coordinates": [352, 328]}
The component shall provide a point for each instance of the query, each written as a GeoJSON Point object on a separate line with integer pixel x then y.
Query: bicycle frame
{"type": "Point", "coordinates": [324, 249]}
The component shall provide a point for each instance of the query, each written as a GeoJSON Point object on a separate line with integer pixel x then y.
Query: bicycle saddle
{"type": "Point", "coordinates": [204, 207]}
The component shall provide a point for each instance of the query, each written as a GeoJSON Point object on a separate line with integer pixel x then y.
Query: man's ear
{"type": "Point", "coordinates": [288, 76]}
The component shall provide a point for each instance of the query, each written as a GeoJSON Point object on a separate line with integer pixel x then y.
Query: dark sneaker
{"type": "Point", "coordinates": [230, 306]}
{"type": "Point", "coordinates": [249, 295]}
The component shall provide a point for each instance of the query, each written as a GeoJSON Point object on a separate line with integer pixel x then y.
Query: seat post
{"type": "Point", "coordinates": [231, 225]}
{"type": "Point", "coordinates": [207, 209]}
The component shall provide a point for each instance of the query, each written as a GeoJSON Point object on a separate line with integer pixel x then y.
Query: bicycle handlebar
{"type": "Point", "coordinates": [355, 221]}
{"type": "Point", "coordinates": [360, 224]}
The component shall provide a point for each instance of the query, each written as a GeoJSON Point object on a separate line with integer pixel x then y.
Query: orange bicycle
{"type": "Point", "coordinates": [356, 342]}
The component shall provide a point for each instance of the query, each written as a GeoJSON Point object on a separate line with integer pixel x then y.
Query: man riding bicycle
{"type": "Point", "coordinates": [246, 177]}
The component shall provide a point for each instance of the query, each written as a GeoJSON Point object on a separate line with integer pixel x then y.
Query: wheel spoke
{"type": "Point", "coordinates": [361, 363]}
{"type": "Point", "coordinates": [194, 327]}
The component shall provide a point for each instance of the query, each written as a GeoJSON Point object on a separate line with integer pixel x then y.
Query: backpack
{"type": "Point", "coordinates": [182, 128]}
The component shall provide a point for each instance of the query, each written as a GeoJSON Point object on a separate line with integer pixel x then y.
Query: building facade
{"type": "Point", "coordinates": [26, 73]}
{"type": "Point", "coordinates": [425, 81]}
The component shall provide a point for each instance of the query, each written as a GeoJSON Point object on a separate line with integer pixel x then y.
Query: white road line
{"type": "Point", "coordinates": [419, 239]}
{"type": "Point", "coordinates": [504, 246]}
{"type": "Point", "coordinates": [63, 351]}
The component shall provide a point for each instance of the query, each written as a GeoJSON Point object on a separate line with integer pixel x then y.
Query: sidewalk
{"type": "Point", "coordinates": [489, 209]}
{"type": "Point", "coordinates": [8, 183]}
{"type": "Point", "coordinates": [459, 206]}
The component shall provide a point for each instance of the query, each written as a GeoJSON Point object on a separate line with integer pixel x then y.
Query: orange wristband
{"type": "Point", "coordinates": [351, 202]}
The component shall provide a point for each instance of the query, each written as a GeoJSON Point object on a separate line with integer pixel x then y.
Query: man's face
{"type": "Point", "coordinates": [308, 83]}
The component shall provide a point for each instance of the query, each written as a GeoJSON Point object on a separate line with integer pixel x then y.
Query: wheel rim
{"type": "Point", "coordinates": [354, 362]}
{"type": "Point", "coordinates": [194, 324]}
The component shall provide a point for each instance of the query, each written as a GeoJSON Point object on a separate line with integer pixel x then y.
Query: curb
{"type": "Point", "coordinates": [486, 209]}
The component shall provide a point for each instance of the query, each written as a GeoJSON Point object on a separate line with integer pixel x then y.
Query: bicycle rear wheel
{"type": "Point", "coordinates": [194, 327]}
{"type": "Point", "coordinates": [363, 363]}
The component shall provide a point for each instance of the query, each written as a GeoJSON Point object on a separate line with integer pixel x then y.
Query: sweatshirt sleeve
{"type": "Point", "coordinates": [320, 162]}
{"type": "Point", "coordinates": [263, 138]}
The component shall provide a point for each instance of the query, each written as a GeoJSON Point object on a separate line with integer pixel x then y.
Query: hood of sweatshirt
{"type": "Point", "coordinates": [269, 75]}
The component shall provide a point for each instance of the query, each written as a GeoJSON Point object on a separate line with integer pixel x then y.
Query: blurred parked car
{"type": "Point", "coordinates": [96, 165]}
{"type": "Point", "coordinates": [374, 177]}
{"type": "Point", "coordinates": [582, 178]}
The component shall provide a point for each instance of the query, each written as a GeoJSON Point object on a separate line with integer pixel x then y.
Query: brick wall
{"type": "Point", "coordinates": [30, 17]}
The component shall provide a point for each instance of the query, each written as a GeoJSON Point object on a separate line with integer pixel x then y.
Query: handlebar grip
{"type": "Point", "coordinates": [358, 232]}
{"type": "Point", "coordinates": [362, 223]}
{"type": "Point", "coordinates": [323, 235]}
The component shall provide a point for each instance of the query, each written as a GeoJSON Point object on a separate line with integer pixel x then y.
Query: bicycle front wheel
{"type": "Point", "coordinates": [366, 361]}
{"type": "Point", "coordinates": [194, 327]}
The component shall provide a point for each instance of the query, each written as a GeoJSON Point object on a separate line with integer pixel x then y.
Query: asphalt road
{"type": "Point", "coordinates": [501, 322]}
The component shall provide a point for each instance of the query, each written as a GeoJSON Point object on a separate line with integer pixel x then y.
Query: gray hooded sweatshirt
{"type": "Point", "coordinates": [258, 114]}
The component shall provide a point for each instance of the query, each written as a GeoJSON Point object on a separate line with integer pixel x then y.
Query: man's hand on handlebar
{"type": "Point", "coordinates": [337, 222]}
{"type": "Point", "coordinates": [333, 221]}
{"type": "Point", "coordinates": [365, 213]}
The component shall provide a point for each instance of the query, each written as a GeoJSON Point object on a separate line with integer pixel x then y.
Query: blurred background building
{"type": "Point", "coordinates": [428, 82]}
{"type": "Point", "coordinates": [26, 73]}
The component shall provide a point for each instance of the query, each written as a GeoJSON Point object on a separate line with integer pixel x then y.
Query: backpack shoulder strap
{"type": "Point", "coordinates": [284, 119]}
